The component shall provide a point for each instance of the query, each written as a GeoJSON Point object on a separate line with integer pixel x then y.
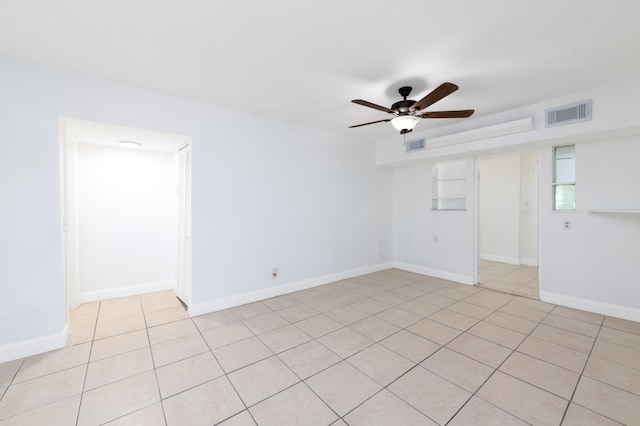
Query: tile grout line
{"type": "Point", "coordinates": [375, 342]}
{"type": "Point", "coordinates": [174, 362]}
{"type": "Point", "coordinates": [225, 374]}
{"type": "Point", "coordinates": [137, 374]}
{"type": "Point", "coordinates": [488, 377]}
{"type": "Point", "coordinates": [146, 329]}
{"type": "Point", "coordinates": [584, 367]}
{"type": "Point", "coordinates": [370, 315]}
{"type": "Point", "coordinates": [153, 363]}
{"type": "Point", "coordinates": [369, 297]}
{"type": "Point", "coordinates": [300, 380]}
{"type": "Point", "coordinates": [339, 356]}
{"type": "Point", "coordinates": [303, 381]}
{"type": "Point", "coordinates": [502, 363]}
{"type": "Point", "coordinates": [575, 389]}
{"type": "Point", "coordinates": [418, 364]}
{"type": "Point", "coordinates": [86, 372]}
{"type": "Point", "coordinates": [387, 336]}
{"type": "Point", "coordinates": [22, 361]}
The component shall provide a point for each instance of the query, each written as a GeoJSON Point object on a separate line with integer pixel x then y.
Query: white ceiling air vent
{"type": "Point", "coordinates": [415, 145]}
{"type": "Point", "coordinates": [567, 114]}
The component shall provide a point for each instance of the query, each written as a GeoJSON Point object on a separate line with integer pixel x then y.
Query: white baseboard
{"type": "Point", "coordinates": [529, 261]}
{"type": "Point", "coordinates": [112, 293]}
{"type": "Point", "coordinates": [254, 296]}
{"type": "Point", "coordinates": [602, 308]}
{"type": "Point", "coordinates": [445, 275]}
{"type": "Point", "coordinates": [502, 259]}
{"type": "Point", "coordinates": [35, 346]}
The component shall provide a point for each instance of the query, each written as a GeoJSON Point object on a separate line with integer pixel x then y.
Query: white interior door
{"type": "Point", "coordinates": [183, 282]}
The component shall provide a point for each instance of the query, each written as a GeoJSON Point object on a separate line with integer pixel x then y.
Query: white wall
{"type": "Point", "coordinates": [499, 200]}
{"type": "Point", "coordinates": [305, 202]}
{"type": "Point", "coordinates": [265, 194]}
{"type": "Point", "coordinates": [312, 203]}
{"type": "Point", "coordinates": [416, 227]}
{"type": "Point", "coordinates": [128, 221]}
{"type": "Point", "coordinates": [596, 264]}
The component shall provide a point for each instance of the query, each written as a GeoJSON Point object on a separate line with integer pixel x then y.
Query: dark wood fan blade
{"type": "Point", "coordinates": [373, 122]}
{"type": "Point", "coordinates": [445, 89]}
{"type": "Point", "coordinates": [448, 114]}
{"type": "Point", "coordinates": [374, 106]}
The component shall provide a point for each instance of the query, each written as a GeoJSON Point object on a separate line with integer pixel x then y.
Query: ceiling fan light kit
{"type": "Point", "coordinates": [407, 113]}
{"type": "Point", "coordinates": [404, 122]}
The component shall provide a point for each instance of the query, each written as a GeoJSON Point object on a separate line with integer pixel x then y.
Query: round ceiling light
{"type": "Point", "coordinates": [130, 144]}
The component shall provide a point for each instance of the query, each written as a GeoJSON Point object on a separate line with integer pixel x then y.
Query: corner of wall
{"type": "Point", "coordinates": [445, 275]}
{"type": "Point", "coordinates": [25, 348]}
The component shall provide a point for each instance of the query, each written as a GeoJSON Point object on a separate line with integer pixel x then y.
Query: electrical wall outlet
{"type": "Point", "coordinates": [566, 224]}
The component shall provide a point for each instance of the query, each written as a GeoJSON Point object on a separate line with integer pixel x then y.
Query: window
{"type": "Point", "coordinates": [564, 178]}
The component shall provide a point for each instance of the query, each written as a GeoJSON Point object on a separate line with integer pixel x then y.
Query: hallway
{"type": "Point", "coordinates": [520, 280]}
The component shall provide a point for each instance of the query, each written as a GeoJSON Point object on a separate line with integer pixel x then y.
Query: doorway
{"type": "Point", "coordinates": [508, 222]}
{"type": "Point", "coordinates": [121, 212]}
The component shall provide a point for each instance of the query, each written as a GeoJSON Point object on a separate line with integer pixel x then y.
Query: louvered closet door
{"type": "Point", "coordinates": [184, 225]}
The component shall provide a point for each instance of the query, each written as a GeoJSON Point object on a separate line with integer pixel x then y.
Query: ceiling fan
{"type": "Point", "coordinates": [406, 113]}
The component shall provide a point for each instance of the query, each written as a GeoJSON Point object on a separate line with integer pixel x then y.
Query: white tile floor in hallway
{"type": "Point", "coordinates": [520, 280]}
{"type": "Point", "coordinates": [386, 348]}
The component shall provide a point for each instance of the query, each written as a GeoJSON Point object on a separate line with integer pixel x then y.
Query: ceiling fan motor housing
{"type": "Point", "coordinates": [404, 105]}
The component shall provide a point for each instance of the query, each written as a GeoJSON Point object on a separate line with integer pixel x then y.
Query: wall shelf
{"type": "Point", "coordinates": [615, 211]}
{"type": "Point", "coordinates": [449, 190]}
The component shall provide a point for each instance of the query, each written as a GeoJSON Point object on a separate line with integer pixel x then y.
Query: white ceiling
{"type": "Point", "coordinates": [93, 133]}
{"type": "Point", "coordinates": [304, 60]}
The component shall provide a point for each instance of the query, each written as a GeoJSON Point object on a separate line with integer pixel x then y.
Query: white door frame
{"type": "Point", "coordinates": [476, 214]}
{"type": "Point", "coordinates": [68, 147]}
{"type": "Point", "coordinates": [476, 220]}
{"type": "Point", "coordinates": [68, 164]}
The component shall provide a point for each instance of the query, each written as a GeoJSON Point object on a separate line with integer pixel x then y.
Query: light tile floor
{"type": "Point", "coordinates": [520, 280]}
{"type": "Point", "coordinates": [388, 348]}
